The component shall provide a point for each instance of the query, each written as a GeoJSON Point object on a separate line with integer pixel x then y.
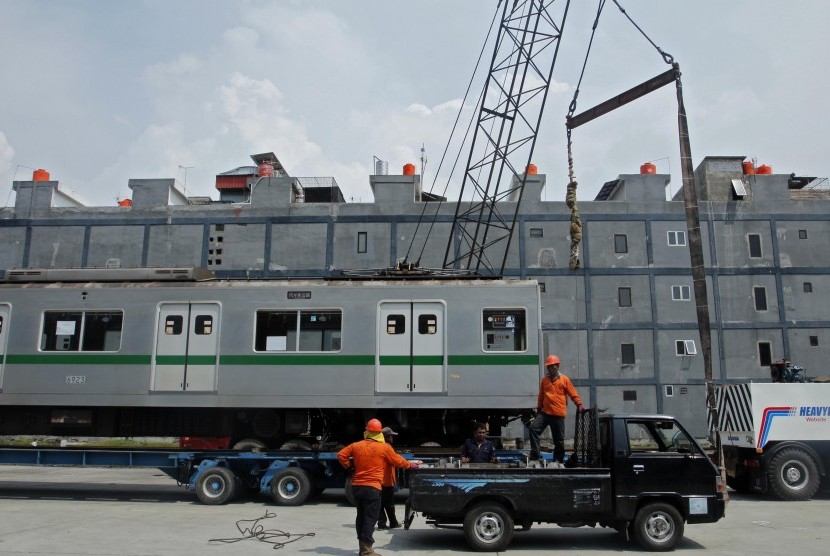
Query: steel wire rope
{"type": "Point", "coordinates": [447, 147]}
{"type": "Point", "coordinates": [257, 531]}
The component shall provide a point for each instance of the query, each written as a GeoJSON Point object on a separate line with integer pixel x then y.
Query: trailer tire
{"type": "Point", "coordinates": [251, 445]}
{"type": "Point", "coordinates": [657, 527]}
{"type": "Point", "coordinates": [291, 487]}
{"type": "Point", "coordinates": [793, 475]}
{"type": "Point", "coordinates": [216, 486]}
{"type": "Point", "coordinates": [488, 527]}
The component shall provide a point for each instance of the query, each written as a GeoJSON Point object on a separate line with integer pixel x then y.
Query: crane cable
{"type": "Point", "coordinates": [570, 196]}
{"type": "Point", "coordinates": [446, 149]}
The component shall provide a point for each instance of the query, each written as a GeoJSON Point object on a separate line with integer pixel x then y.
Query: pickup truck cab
{"type": "Point", "coordinates": [643, 475]}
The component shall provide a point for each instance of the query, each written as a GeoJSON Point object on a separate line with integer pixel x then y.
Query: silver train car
{"type": "Point", "coordinates": [273, 363]}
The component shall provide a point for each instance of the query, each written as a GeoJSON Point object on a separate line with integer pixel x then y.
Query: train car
{"type": "Point", "coordinates": [159, 352]}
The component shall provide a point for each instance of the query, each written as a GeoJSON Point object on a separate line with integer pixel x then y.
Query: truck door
{"type": "Point", "coordinates": [5, 311]}
{"type": "Point", "coordinates": [411, 347]}
{"type": "Point", "coordinates": [661, 457]}
{"type": "Point", "coordinates": [187, 342]}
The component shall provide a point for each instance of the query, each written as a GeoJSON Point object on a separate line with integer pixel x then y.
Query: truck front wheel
{"type": "Point", "coordinates": [658, 527]}
{"type": "Point", "coordinates": [793, 475]}
{"type": "Point", "coordinates": [488, 527]}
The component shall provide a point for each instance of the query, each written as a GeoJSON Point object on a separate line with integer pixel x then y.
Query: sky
{"type": "Point", "coordinates": [101, 92]}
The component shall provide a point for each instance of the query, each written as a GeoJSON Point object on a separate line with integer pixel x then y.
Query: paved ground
{"type": "Point", "coordinates": [77, 511]}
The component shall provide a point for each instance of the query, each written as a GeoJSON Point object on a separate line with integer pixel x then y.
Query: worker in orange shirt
{"type": "Point", "coordinates": [387, 518]}
{"type": "Point", "coordinates": [552, 407]}
{"type": "Point", "coordinates": [369, 457]}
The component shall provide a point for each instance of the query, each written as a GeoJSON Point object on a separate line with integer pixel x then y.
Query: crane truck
{"type": "Point", "coordinates": [776, 436]}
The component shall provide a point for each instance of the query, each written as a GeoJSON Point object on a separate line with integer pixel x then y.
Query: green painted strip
{"type": "Point", "coordinates": [494, 359]}
{"type": "Point", "coordinates": [295, 359]}
{"type": "Point", "coordinates": [406, 360]}
{"type": "Point", "coordinates": [281, 359]}
{"type": "Point", "coordinates": [190, 360]}
{"type": "Point", "coordinates": [77, 359]}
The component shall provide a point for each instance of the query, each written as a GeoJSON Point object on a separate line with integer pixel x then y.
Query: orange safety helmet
{"type": "Point", "coordinates": [374, 425]}
{"type": "Point", "coordinates": [551, 360]}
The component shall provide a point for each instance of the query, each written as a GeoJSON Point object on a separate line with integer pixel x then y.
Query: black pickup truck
{"type": "Point", "coordinates": [642, 475]}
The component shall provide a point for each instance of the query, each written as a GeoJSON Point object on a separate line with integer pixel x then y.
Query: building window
{"type": "Point", "coordinates": [624, 297]}
{"type": "Point", "coordinates": [537, 232]}
{"type": "Point", "coordinates": [754, 246]}
{"type": "Point", "coordinates": [542, 288]}
{"type": "Point", "coordinates": [764, 354]}
{"type": "Point", "coordinates": [627, 354]}
{"type": "Point", "coordinates": [814, 341]}
{"type": "Point", "coordinates": [681, 293]}
{"type": "Point", "coordinates": [802, 234]}
{"type": "Point", "coordinates": [81, 331]}
{"type": "Point", "coordinates": [685, 347]}
{"type": "Point", "coordinates": [677, 239]}
{"type": "Point", "coordinates": [760, 294]}
{"type": "Point", "coordinates": [620, 243]}
{"type": "Point", "coordinates": [808, 287]}
{"type": "Point", "coordinates": [504, 330]}
{"type": "Point", "coordinates": [629, 395]}
{"type": "Point", "coordinates": [669, 390]}
{"type": "Point", "coordinates": [317, 330]}
{"type": "Point", "coordinates": [361, 241]}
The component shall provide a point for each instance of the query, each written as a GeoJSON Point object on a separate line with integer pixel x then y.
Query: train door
{"type": "Point", "coordinates": [411, 347]}
{"type": "Point", "coordinates": [5, 310]}
{"type": "Point", "coordinates": [187, 344]}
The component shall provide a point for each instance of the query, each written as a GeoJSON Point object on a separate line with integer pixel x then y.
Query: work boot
{"type": "Point", "coordinates": [367, 550]}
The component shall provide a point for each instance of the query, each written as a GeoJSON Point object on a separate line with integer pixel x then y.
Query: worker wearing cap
{"type": "Point", "coordinates": [387, 518]}
{"type": "Point", "coordinates": [369, 458]}
{"type": "Point", "coordinates": [552, 407]}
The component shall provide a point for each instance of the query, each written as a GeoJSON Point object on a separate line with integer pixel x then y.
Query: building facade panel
{"type": "Point", "coordinates": [56, 247]}
{"type": "Point", "coordinates": [620, 299]}
{"type": "Point", "coordinates": [115, 246]}
{"type": "Point", "coordinates": [803, 243]}
{"type": "Point", "coordinates": [298, 246]}
{"type": "Point", "coordinates": [175, 245]}
{"type": "Point", "coordinates": [616, 244]}
{"type": "Point", "coordinates": [623, 354]}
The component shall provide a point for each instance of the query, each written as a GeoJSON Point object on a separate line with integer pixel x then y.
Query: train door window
{"type": "Point", "coordinates": [504, 330]}
{"type": "Point", "coordinates": [173, 325]}
{"type": "Point", "coordinates": [61, 331]}
{"type": "Point", "coordinates": [102, 331]}
{"type": "Point", "coordinates": [204, 325]}
{"type": "Point", "coordinates": [276, 331]}
{"type": "Point", "coordinates": [320, 330]}
{"type": "Point", "coordinates": [427, 324]}
{"type": "Point", "coordinates": [395, 324]}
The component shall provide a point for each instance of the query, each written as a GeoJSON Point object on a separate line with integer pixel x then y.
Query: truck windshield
{"type": "Point", "coordinates": [658, 436]}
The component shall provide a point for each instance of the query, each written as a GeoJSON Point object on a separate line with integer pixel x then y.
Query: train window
{"type": "Point", "coordinates": [395, 324]}
{"type": "Point", "coordinates": [504, 330]}
{"type": "Point", "coordinates": [298, 330]}
{"type": "Point", "coordinates": [102, 331]}
{"type": "Point", "coordinates": [320, 330]}
{"type": "Point", "coordinates": [84, 331]}
{"type": "Point", "coordinates": [173, 325]}
{"type": "Point", "coordinates": [204, 325]}
{"type": "Point", "coordinates": [427, 324]}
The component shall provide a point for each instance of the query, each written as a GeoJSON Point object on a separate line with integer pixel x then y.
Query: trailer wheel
{"type": "Point", "coordinates": [793, 475]}
{"type": "Point", "coordinates": [251, 445]}
{"type": "Point", "coordinates": [290, 487]}
{"type": "Point", "coordinates": [216, 486]}
{"type": "Point", "coordinates": [658, 527]}
{"type": "Point", "coordinates": [488, 527]}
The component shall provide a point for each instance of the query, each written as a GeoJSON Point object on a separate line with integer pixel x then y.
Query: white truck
{"type": "Point", "coordinates": [775, 437]}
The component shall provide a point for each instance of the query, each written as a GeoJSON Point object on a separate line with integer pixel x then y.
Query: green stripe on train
{"type": "Point", "coordinates": [280, 359]}
{"type": "Point", "coordinates": [77, 359]}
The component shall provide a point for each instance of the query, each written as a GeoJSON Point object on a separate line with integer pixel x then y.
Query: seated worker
{"type": "Point", "coordinates": [478, 449]}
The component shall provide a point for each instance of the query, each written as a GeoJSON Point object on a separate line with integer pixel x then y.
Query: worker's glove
{"type": "Point", "coordinates": [580, 408]}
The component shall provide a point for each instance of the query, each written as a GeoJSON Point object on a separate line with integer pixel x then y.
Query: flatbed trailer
{"type": "Point", "coordinates": [219, 476]}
